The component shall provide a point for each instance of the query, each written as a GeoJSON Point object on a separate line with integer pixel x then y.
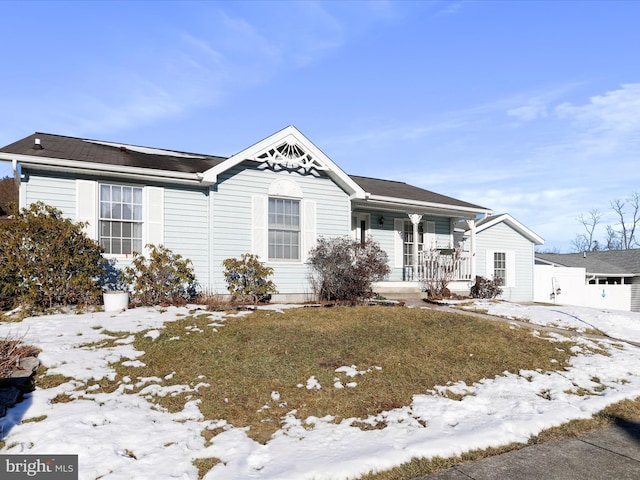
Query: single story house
{"type": "Point", "coordinates": [274, 199]}
{"type": "Point", "coordinates": [606, 279]}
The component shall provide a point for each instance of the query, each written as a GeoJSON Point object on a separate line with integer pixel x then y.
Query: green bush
{"type": "Point", "coordinates": [165, 278]}
{"type": "Point", "coordinates": [343, 269]}
{"type": "Point", "coordinates": [47, 260]}
{"type": "Point", "coordinates": [247, 279]}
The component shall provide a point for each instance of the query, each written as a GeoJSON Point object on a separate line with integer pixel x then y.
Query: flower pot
{"type": "Point", "coordinates": [115, 301]}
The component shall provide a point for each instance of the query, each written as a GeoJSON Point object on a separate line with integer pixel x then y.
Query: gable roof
{"type": "Point", "coordinates": [609, 262]}
{"type": "Point", "coordinates": [488, 222]}
{"type": "Point", "coordinates": [288, 148]}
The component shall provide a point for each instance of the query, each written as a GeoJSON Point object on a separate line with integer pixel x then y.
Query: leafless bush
{"type": "Point", "coordinates": [11, 351]}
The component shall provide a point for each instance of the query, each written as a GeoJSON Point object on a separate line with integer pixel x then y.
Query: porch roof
{"type": "Point", "coordinates": [407, 197]}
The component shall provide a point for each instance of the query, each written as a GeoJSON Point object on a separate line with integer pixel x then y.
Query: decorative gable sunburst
{"type": "Point", "coordinates": [289, 156]}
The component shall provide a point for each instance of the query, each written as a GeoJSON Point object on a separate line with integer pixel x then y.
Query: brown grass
{"type": "Point", "coordinates": [11, 350]}
{"type": "Point", "coordinates": [253, 356]}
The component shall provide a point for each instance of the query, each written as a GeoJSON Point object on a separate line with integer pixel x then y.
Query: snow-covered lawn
{"type": "Point", "coordinates": [119, 435]}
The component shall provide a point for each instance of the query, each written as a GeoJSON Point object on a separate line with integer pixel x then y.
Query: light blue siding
{"type": "Point", "coordinates": [57, 192]}
{"type": "Point", "coordinates": [232, 211]}
{"type": "Point", "coordinates": [502, 238]}
{"type": "Point", "coordinates": [186, 227]}
{"type": "Point", "coordinates": [186, 215]}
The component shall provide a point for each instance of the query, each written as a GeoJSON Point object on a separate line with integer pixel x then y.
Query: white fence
{"type": "Point", "coordinates": [566, 286]}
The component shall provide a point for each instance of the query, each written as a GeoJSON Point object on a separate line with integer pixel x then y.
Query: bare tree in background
{"type": "Point", "coordinates": [620, 236]}
{"type": "Point", "coordinates": [628, 211]}
{"type": "Point", "coordinates": [584, 242]}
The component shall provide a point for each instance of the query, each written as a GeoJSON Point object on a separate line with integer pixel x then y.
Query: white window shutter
{"type": "Point", "coordinates": [489, 272]}
{"type": "Point", "coordinates": [153, 204]}
{"type": "Point", "coordinates": [309, 226]}
{"type": "Point", "coordinates": [511, 269]}
{"type": "Point", "coordinates": [398, 242]}
{"type": "Point", "coordinates": [429, 235]}
{"type": "Point", "coordinates": [259, 231]}
{"type": "Point", "coordinates": [87, 206]}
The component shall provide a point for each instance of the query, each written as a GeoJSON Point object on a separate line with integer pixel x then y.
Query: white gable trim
{"type": "Point", "coordinates": [513, 223]}
{"type": "Point", "coordinates": [291, 136]}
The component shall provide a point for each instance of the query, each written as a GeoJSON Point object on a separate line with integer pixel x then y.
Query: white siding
{"type": "Point", "coordinates": [233, 213]}
{"type": "Point", "coordinates": [520, 252]}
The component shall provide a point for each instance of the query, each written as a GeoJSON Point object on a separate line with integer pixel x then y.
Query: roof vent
{"type": "Point", "coordinates": [37, 145]}
{"type": "Point", "coordinates": [123, 149]}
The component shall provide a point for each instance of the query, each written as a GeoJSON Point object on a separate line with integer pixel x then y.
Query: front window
{"type": "Point", "coordinates": [120, 219]}
{"type": "Point", "coordinates": [500, 266]}
{"type": "Point", "coordinates": [408, 241]}
{"type": "Point", "coordinates": [284, 229]}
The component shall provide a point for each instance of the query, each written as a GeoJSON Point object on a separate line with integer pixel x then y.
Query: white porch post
{"type": "Point", "coordinates": [472, 247]}
{"type": "Point", "coordinates": [415, 220]}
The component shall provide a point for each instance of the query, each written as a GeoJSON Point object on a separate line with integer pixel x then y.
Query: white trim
{"type": "Point", "coordinates": [153, 216]}
{"type": "Point", "coordinates": [87, 206]}
{"type": "Point", "coordinates": [513, 223]}
{"type": "Point", "coordinates": [309, 235]}
{"type": "Point", "coordinates": [104, 169]}
{"type": "Point", "coordinates": [260, 227]}
{"type": "Point", "coordinates": [398, 242]}
{"type": "Point", "coordinates": [292, 136]}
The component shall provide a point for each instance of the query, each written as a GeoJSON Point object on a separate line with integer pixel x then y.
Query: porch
{"type": "Point", "coordinates": [433, 266]}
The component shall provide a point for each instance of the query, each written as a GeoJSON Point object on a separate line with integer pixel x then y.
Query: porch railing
{"type": "Point", "coordinates": [436, 263]}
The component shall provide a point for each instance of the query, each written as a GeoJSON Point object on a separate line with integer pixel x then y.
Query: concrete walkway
{"type": "Point", "coordinates": [608, 453]}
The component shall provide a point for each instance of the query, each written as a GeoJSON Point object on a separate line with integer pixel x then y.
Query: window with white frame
{"type": "Point", "coordinates": [500, 267]}
{"type": "Point", "coordinates": [120, 219]}
{"type": "Point", "coordinates": [284, 229]}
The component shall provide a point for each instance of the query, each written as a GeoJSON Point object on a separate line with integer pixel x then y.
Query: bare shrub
{"type": "Point", "coordinates": [484, 288]}
{"type": "Point", "coordinates": [11, 351]}
{"type": "Point", "coordinates": [441, 266]}
{"type": "Point", "coordinates": [343, 269]}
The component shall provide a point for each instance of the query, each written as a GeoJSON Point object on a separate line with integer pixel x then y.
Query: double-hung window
{"type": "Point", "coordinates": [120, 219]}
{"type": "Point", "coordinates": [284, 229]}
{"type": "Point", "coordinates": [500, 267]}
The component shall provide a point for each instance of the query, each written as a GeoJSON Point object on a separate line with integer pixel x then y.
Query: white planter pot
{"type": "Point", "coordinates": [115, 301]}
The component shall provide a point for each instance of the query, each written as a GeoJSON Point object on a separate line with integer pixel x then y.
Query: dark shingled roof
{"type": "Point", "coordinates": [611, 262]}
{"type": "Point", "coordinates": [70, 148]}
{"type": "Point", "coordinates": [390, 188]}
{"type": "Point", "coordinates": [85, 150]}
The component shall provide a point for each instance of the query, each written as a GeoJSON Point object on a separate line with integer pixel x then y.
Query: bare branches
{"type": "Point", "coordinates": [584, 241]}
{"type": "Point", "coordinates": [619, 236]}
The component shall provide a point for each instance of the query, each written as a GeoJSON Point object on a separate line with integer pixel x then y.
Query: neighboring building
{"type": "Point", "coordinates": [274, 199]}
{"type": "Point", "coordinates": [607, 279]}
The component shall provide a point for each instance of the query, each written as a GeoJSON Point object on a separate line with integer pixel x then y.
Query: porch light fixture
{"type": "Point", "coordinates": [381, 221]}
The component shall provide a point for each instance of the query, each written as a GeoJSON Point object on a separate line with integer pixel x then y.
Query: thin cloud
{"type": "Point", "coordinates": [615, 111]}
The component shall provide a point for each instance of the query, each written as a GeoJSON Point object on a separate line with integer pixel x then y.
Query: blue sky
{"type": "Point", "coordinates": [531, 108]}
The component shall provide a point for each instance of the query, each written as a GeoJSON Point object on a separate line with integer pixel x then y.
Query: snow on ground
{"type": "Point", "coordinates": [613, 323]}
{"type": "Point", "coordinates": [123, 436]}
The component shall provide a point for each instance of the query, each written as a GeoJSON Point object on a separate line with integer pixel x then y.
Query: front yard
{"type": "Point", "coordinates": [301, 392]}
